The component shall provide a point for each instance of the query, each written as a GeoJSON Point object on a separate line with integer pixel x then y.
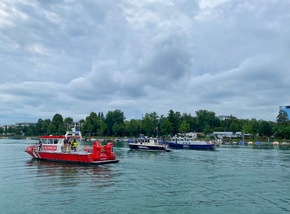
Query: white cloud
{"type": "Point", "coordinates": [210, 3]}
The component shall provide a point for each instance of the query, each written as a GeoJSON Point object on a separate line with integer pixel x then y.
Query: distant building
{"type": "Point", "coordinates": [193, 135]}
{"type": "Point", "coordinates": [25, 124]}
{"type": "Point", "coordinates": [223, 134]}
{"type": "Point", "coordinates": [223, 117]}
{"type": "Point", "coordinates": [227, 134]}
{"type": "Point", "coordinates": [5, 127]}
{"type": "Point", "coordinates": [286, 109]}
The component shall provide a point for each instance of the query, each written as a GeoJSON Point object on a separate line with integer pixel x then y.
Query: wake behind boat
{"type": "Point", "coordinates": [65, 148]}
{"type": "Point", "coordinates": [148, 144]}
{"type": "Point", "coordinates": [186, 143]}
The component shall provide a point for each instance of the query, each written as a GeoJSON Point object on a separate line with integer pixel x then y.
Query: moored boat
{"type": "Point", "coordinates": [148, 144]}
{"type": "Point", "coordinates": [186, 143]}
{"type": "Point", "coordinates": [64, 148]}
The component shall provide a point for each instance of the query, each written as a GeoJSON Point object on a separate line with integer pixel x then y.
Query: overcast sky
{"type": "Point", "coordinates": [75, 57]}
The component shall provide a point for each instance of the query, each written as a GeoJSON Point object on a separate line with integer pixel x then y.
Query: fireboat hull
{"type": "Point", "coordinates": [69, 158]}
{"type": "Point", "coordinates": [64, 148]}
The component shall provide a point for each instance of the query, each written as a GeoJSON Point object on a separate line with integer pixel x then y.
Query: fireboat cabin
{"type": "Point", "coordinates": [65, 148]}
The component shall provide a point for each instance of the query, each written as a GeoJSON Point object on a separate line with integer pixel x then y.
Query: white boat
{"type": "Point", "coordinates": [148, 144]}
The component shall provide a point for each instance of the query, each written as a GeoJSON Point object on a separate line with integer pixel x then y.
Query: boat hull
{"type": "Point", "coordinates": [64, 148]}
{"type": "Point", "coordinates": [104, 162]}
{"type": "Point", "coordinates": [70, 158]}
{"type": "Point", "coordinates": [148, 147]}
{"type": "Point", "coordinates": [192, 146]}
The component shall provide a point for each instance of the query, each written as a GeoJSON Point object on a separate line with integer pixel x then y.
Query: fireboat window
{"type": "Point", "coordinates": [44, 141]}
{"type": "Point", "coordinates": [49, 141]}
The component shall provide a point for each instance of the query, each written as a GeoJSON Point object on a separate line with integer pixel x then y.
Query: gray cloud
{"type": "Point", "coordinates": [74, 57]}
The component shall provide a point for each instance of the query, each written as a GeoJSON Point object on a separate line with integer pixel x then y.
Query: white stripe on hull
{"type": "Point", "coordinates": [36, 155]}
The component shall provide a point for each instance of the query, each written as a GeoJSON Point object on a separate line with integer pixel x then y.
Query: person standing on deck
{"type": "Point", "coordinates": [39, 145]}
{"type": "Point", "coordinates": [74, 145]}
{"type": "Point", "coordinates": [65, 142]}
{"type": "Point", "coordinates": [69, 144]}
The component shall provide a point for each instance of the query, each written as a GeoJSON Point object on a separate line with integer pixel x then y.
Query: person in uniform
{"type": "Point", "coordinates": [74, 145]}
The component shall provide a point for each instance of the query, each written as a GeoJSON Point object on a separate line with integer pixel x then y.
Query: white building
{"type": "Point", "coordinates": [227, 134]}
{"type": "Point", "coordinates": [223, 117]}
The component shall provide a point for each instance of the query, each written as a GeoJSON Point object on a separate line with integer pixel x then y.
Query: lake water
{"type": "Point", "coordinates": [233, 179]}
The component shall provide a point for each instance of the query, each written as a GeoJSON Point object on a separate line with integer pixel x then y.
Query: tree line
{"type": "Point", "coordinates": [114, 124]}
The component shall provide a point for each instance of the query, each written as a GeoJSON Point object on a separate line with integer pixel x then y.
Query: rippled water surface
{"type": "Point", "coordinates": [229, 180]}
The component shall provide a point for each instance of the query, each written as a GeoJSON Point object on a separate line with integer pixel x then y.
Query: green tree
{"type": "Point", "coordinates": [132, 126]}
{"type": "Point", "coordinates": [118, 129]}
{"type": "Point", "coordinates": [150, 123]}
{"type": "Point", "coordinates": [247, 127]}
{"type": "Point", "coordinates": [46, 127]}
{"type": "Point", "coordinates": [166, 127]}
{"type": "Point", "coordinates": [38, 127]}
{"type": "Point", "coordinates": [206, 118]}
{"type": "Point", "coordinates": [101, 116]}
{"type": "Point", "coordinates": [11, 130]}
{"type": "Point", "coordinates": [91, 124]}
{"type": "Point", "coordinates": [235, 125]}
{"type": "Point", "coordinates": [207, 129]}
{"type": "Point", "coordinates": [255, 126]}
{"type": "Point", "coordinates": [57, 124]}
{"type": "Point", "coordinates": [175, 119]}
{"type": "Point", "coordinates": [69, 122]}
{"type": "Point", "coordinates": [114, 117]}
{"type": "Point", "coordinates": [18, 130]}
{"type": "Point", "coordinates": [102, 128]}
{"type": "Point", "coordinates": [1, 131]}
{"type": "Point", "coordinates": [265, 128]}
{"type": "Point", "coordinates": [192, 121]}
{"type": "Point", "coordinates": [30, 131]}
{"type": "Point", "coordinates": [283, 132]}
{"type": "Point", "coordinates": [282, 117]}
{"type": "Point", "coordinates": [184, 127]}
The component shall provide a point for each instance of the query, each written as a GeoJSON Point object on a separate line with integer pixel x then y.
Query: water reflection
{"type": "Point", "coordinates": [261, 146]}
{"type": "Point", "coordinates": [146, 154]}
{"type": "Point", "coordinates": [56, 174]}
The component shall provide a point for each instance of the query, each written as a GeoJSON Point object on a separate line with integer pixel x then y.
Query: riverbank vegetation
{"type": "Point", "coordinates": [114, 124]}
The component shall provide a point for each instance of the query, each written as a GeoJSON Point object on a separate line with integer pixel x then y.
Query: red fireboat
{"type": "Point", "coordinates": [64, 148]}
